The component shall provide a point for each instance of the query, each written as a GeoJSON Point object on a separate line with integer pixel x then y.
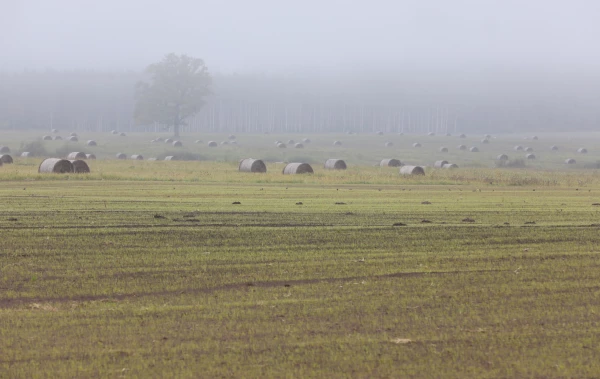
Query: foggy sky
{"type": "Point", "coordinates": [285, 36]}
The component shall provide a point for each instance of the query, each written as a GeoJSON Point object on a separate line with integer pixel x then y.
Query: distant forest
{"type": "Point", "coordinates": [409, 102]}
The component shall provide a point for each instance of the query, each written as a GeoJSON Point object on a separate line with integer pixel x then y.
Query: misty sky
{"type": "Point", "coordinates": [303, 35]}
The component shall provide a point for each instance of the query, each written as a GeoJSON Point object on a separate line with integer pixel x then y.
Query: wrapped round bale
{"type": "Point", "coordinates": [416, 144]}
{"type": "Point", "coordinates": [121, 156]}
{"type": "Point", "coordinates": [114, 132]}
{"type": "Point", "coordinates": [76, 155]}
{"type": "Point", "coordinates": [54, 131]}
{"type": "Point", "coordinates": [502, 157]}
{"type": "Point", "coordinates": [337, 143]}
{"type": "Point", "coordinates": [450, 166]}
{"type": "Point", "coordinates": [170, 158]}
{"type": "Point", "coordinates": [529, 149]}
{"type": "Point", "coordinates": [281, 145]}
{"type": "Point", "coordinates": [390, 163]}
{"type": "Point", "coordinates": [80, 167]}
{"type": "Point", "coordinates": [570, 161]}
{"type": "Point", "coordinates": [26, 154]}
{"type": "Point", "coordinates": [439, 164]}
{"type": "Point", "coordinates": [389, 144]}
{"type": "Point", "coordinates": [168, 140]}
{"type": "Point", "coordinates": [462, 147]}
{"type": "Point", "coordinates": [212, 144]}
{"type": "Point", "coordinates": [177, 144]}
{"type": "Point", "coordinates": [198, 141]}
{"type": "Point", "coordinates": [474, 149]}
{"type": "Point", "coordinates": [47, 138]}
{"type": "Point", "coordinates": [73, 134]}
{"type": "Point", "coordinates": [59, 138]}
{"type": "Point", "coordinates": [137, 157]}
{"type": "Point", "coordinates": [335, 164]}
{"type": "Point", "coordinates": [554, 148]}
{"type": "Point", "coordinates": [56, 165]}
{"type": "Point", "coordinates": [582, 150]}
{"type": "Point", "coordinates": [224, 143]}
{"type": "Point", "coordinates": [299, 146]}
{"type": "Point", "coordinates": [90, 156]}
{"type": "Point", "coordinates": [5, 158]}
{"type": "Point", "coordinates": [412, 170]}
{"type": "Point", "coordinates": [518, 148]}
{"type": "Point", "coordinates": [488, 136]}
{"type": "Point", "coordinates": [485, 140]}
{"type": "Point", "coordinates": [306, 140]}
{"type": "Point", "coordinates": [443, 149]}
{"type": "Point", "coordinates": [462, 136]}
{"type": "Point", "coordinates": [431, 134]}
{"type": "Point", "coordinates": [530, 156]}
{"type": "Point", "coordinates": [231, 136]}
{"type": "Point", "coordinates": [4, 149]}
{"type": "Point", "coordinates": [122, 134]}
{"type": "Point", "coordinates": [73, 139]}
{"type": "Point", "coordinates": [379, 133]}
{"type": "Point", "coordinates": [252, 165]}
{"type": "Point", "coordinates": [291, 142]}
{"type": "Point", "coordinates": [91, 143]}
{"type": "Point", "coordinates": [158, 139]}
{"type": "Point", "coordinates": [297, 168]}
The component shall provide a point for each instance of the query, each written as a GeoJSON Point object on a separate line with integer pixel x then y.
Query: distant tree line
{"type": "Point", "coordinates": [102, 101]}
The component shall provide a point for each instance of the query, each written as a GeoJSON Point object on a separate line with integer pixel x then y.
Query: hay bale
{"type": "Point", "coordinates": [530, 156]}
{"type": "Point", "coordinates": [252, 165]}
{"type": "Point", "coordinates": [277, 142]}
{"type": "Point", "coordinates": [554, 148]}
{"type": "Point", "coordinates": [26, 154]}
{"type": "Point", "coordinates": [137, 157]}
{"type": "Point", "coordinates": [461, 147]}
{"type": "Point", "coordinates": [91, 142]}
{"type": "Point", "coordinates": [439, 164]}
{"type": "Point", "coordinates": [5, 158]}
{"type": "Point", "coordinates": [485, 140]}
{"type": "Point", "coordinates": [80, 167]}
{"type": "Point", "coordinates": [90, 156]}
{"type": "Point", "coordinates": [297, 168]}
{"type": "Point", "coordinates": [390, 163]}
{"type": "Point", "coordinates": [443, 149]}
{"type": "Point", "coordinates": [168, 140]}
{"type": "Point", "coordinates": [4, 150]}
{"type": "Point", "coordinates": [488, 136]}
{"type": "Point", "coordinates": [73, 134]}
{"type": "Point", "coordinates": [401, 134]}
{"type": "Point", "coordinates": [291, 142]}
{"type": "Point", "coordinates": [337, 143]}
{"type": "Point", "coordinates": [518, 148]}
{"type": "Point", "coordinates": [73, 139]}
{"type": "Point", "coordinates": [212, 144]}
{"type": "Point", "coordinates": [299, 146]}
{"type": "Point", "coordinates": [122, 134]}
{"type": "Point", "coordinates": [306, 140]}
{"type": "Point", "coordinates": [170, 158]}
{"type": "Point", "coordinates": [198, 141]}
{"type": "Point", "coordinates": [114, 132]}
{"type": "Point", "coordinates": [431, 134]}
{"type": "Point", "coordinates": [582, 150]}
{"type": "Point", "coordinates": [529, 149]}
{"type": "Point", "coordinates": [379, 133]}
{"type": "Point", "coordinates": [54, 131]}
{"type": "Point", "coordinates": [570, 161]}
{"type": "Point", "coordinates": [416, 144]}
{"type": "Point", "coordinates": [47, 138]}
{"type": "Point", "coordinates": [450, 166]}
{"type": "Point", "coordinates": [224, 143]}
{"type": "Point", "coordinates": [56, 165]}
{"type": "Point", "coordinates": [177, 144]}
{"type": "Point", "coordinates": [233, 143]}
{"type": "Point", "coordinates": [76, 155]}
{"type": "Point", "coordinates": [502, 157]}
{"type": "Point", "coordinates": [231, 136]}
{"type": "Point", "coordinates": [474, 149]}
{"type": "Point", "coordinates": [159, 139]}
{"type": "Point", "coordinates": [389, 144]}
{"type": "Point", "coordinates": [281, 145]}
{"type": "Point", "coordinates": [335, 164]}
{"type": "Point", "coordinates": [59, 138]}
{"type": "Point", "coordinates": [412, 170]}
{"type": "Point", "coordinates": [121, 156]}
{"type": "Point", "coordinates": [462, 136]}
{"type": "Point", "coordinates": [151, 159]}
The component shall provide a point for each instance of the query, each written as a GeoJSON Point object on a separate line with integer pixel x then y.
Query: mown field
{"type": "Point", "coordinates": [151, 269]}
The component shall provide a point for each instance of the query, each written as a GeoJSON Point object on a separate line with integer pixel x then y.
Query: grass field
{"type": "Point", "coordinates": [149, 269]}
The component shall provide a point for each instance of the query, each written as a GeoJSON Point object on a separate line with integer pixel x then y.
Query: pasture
{"type": "Point", "coordinates": [192, 269]}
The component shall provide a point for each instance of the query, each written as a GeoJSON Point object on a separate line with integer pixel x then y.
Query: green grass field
{"type": "Point", "coordinates": [149, 269]}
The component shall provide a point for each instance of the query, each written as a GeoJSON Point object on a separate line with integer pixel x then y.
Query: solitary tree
{"type": "Point", "coordinates": [176, 91]}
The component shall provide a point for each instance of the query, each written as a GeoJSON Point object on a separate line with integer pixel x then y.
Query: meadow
{"type": "Point", "coordinates": [192, 269]}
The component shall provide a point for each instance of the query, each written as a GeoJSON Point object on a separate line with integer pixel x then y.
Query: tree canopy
{"type": "Point", "coordinates": [176, 92]}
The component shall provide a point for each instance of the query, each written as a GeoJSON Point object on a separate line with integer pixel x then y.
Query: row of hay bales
{"type": "Point", "coordinates": [258, 166]}
{"type": "Point", "coordinates": [444, 164]}
{"type": "Point", "coordinates": [63, 166]}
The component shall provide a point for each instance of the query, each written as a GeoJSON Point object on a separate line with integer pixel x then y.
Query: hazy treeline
{"type": "Point", "coordinates": [410, 102]}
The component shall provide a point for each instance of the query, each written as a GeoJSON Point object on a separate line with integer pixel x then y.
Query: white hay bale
{"type": "Point", "coordinates": [306, 140]}
{"type": "Point", "coordinates": [335, 164]}
{"type": "Point", "coordinates": [6, 158]}
{"type": "Point", "coordinates": [76, 155]}
{"type": "Point", "coordinates": [231, 137]}
{"type": "Point", "coordinates": [73, 139]}
{"type": "Point", "coordinates": [390, 163]}
{"type": "Point", "coordinates": [26, 154]}
{"type": "Point", "coordinates": [530, 156]}
{"type": "Point", "coordinates": [291, 142]}
{"type": "Point", "coordinates": [121, 156]}
{"type": "Point", "coordinates": [47, 138]}
{"type": "Point", "coordinates": [443, 149]}
{"type": "Point", "coordinates": [177, 144]}
{"type": "Point", "coordinates": [59, 138]}
{"type": "Point", "coordinates": [582, 150]}
{"type": "Point", "coordinates": [4, 150]}
{"type": "Point", "coordinates": [56, 166]}
{"type": "Point", "coordinates": [502, 157]}
{"type": "Point", "coordinates": [488, 136]}
{"type": "Point", "coordinates": [91, 142]}
{"type": "Point", "coordinates": [73, 134]}
{"type": "Point", "coordinates": [450, 166]}
{"type": "Point", "coordinates": [416, 144]}
{"type": "Point", "coordinates": [389, 144]}
{"type": "Point", "coordinates": [412, 170]}
{"type": "Point", "coordinates": [170, 158]}
{"type": "Point", "coordinates": [54, 131]}
{"type": "Point", "coordinates": [224, 143]}
{"type": "Point", "coordinates": [80, 167]}
{"type": "Point", "coordinates": [198, 141]}
{"type": "Point", "coordinates": [122, 134]}
{"type": "Point", "coordinates": [337, 143]}
{"type": "Point", "coordinates": [474, 149]}
{"type": "Point", "coordinates": [439, 164]}
{"type": "Point", "coordinates": [518, 148]}
{"type": "Point", "coordinates": [297, 168]}
{"type": "Point", "coordinates": [299, 146]}
{"type": "Point", "coordinates": [168, 141]}
{"type": "Point", "coordinates": [462, 136]}
{"type": "Point", "coordinates": [485, 141]}
{"type": "Point", "coordinates": [431, 134]}
{"type": "Point", "coordinates": [379, 133]}
{"type": "Point", "coordinates": [252, 165]}
{"type": "Point", "coordinates": [281, 145]}
{"type": "Point", "coordinates": [90, 156]}
{"type": "Point", "coordinates": [529, 149]}
{"type": "Point", "coordinates": [114, 132]}
{"type": "Point", "coordinates": [570, 161]}
{"type": "Point", "coordinates": [461, 147]}
{"type": "Point", "coordinates": [212, 144]}
{"type": "Point", "coordinates": [137, 157]}
{"type": "Point", "coordinates": [159, 139]}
